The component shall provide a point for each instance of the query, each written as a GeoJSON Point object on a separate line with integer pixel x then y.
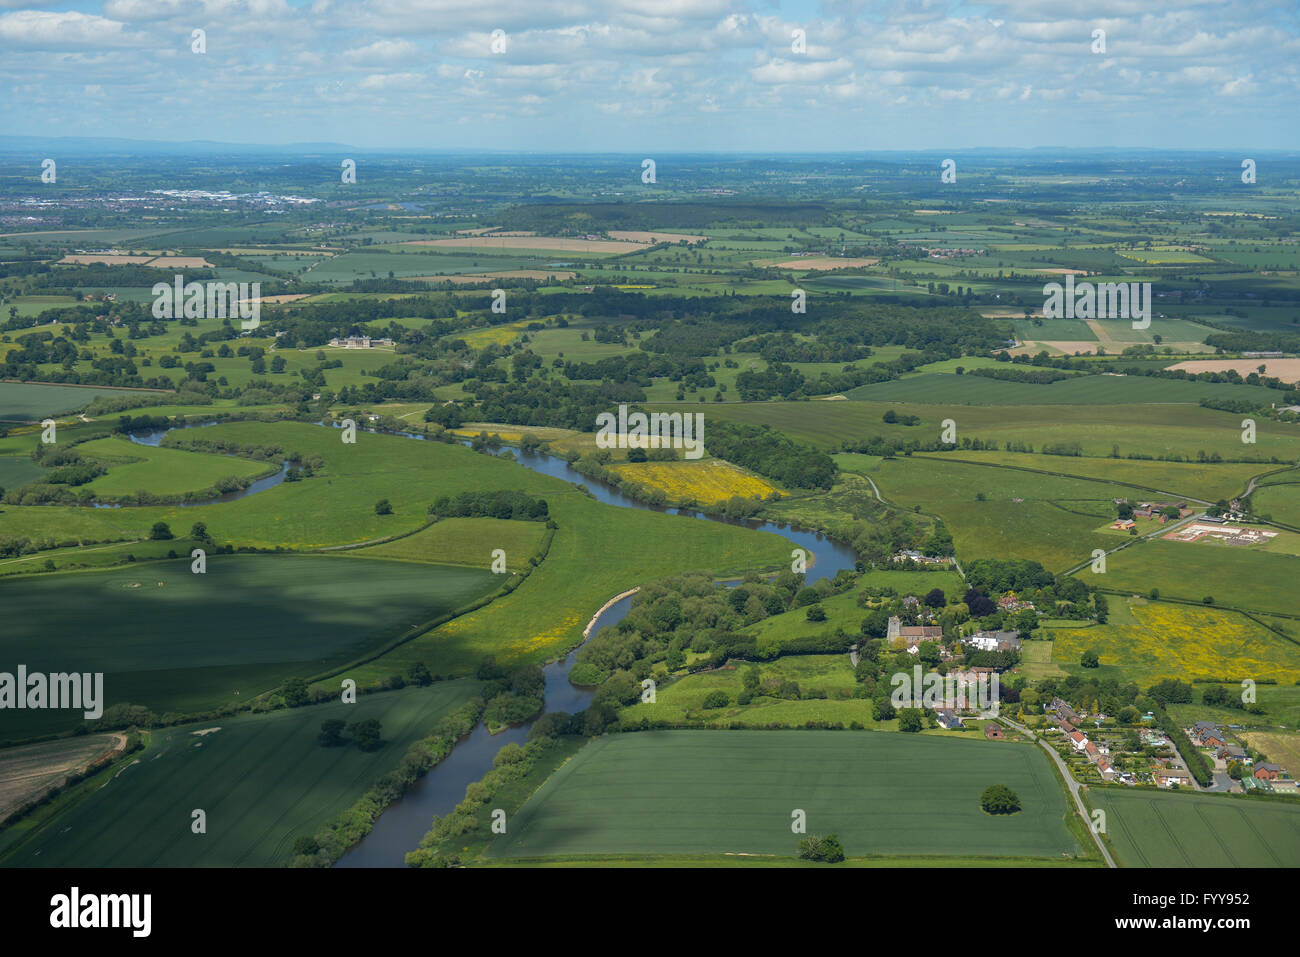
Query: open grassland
{"type": "Point", "coordinates": [263, 781]}
{"type": "Point", "coordinates": [1281, 704]}
{"type": "Point", "coordinates": [160, 471]}
{"type": "Point", "coordinates": [1046, 518]}
{"type": "Point", "coordinates": [1280, 502]}
{"type": "Point", "coordinates": [706, 482]}
{"type": "Point", "coordinates": [915, 583]}
{"type": "Point", "coordinates": [176, 641]}
{"type": "Point", "coordinates": [28, 771]}
{"type": "Point", "coordinates": [682, 700]}
{"type": "Point", "coordinates": [1152, 430]}
{"type": "Point", "coordinates": [27, 402]}
{"type": "Point", "coordinates": [1150, 828]}
{"type": "Point", "coordinates": [464, 541]}
{"type": "Point", "coordinates": [723, 792]}
{"type": "Point", "coordinates": [1148, 641]}
{"type": "Point", "coordinates": [1235, 576]}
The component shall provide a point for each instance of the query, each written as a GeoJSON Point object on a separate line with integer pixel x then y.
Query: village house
{"type": "Point", "coordinates": [1107, 770]}
{"type": "Point", "coordinates": [948, 718]}
{"type": "Point", "coordinates": [1011, 602]}
{"type": "Point", "coordinates": [1231, 752]}
{"type": "Point", "coordinates": [993, 731]}
{"type": "Point", "coordinates": [1079, 740]}
{"type": "Point", "coordinates": [1168, 777]}
{"type": "Point", "coordinates": [1208, 735]}
{"type": "Point", "coordinates": [1063, 711]}
{"type": "Point", "coordinates": [1268, 772]}
{"type": "Point", "coordinates": [994, 641]}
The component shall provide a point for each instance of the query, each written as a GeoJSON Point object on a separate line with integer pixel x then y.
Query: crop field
{"type": "Point", "coordinates": [950, 389]}
{"type": "Point", "coordinates": [1100, 430]}
{"type": "Point", "coordinates": [707, 481]}
{"type": "Point", "coordinates": [28, 402]}
{"type": "Point", "coordinates": [1148, 641]}
{"type": "Point", "coordinates": [1150, 828]}
{"type": "Point", "coordinates": [263, 781]}
{"type": "Point", "coordinates": [170, 639]}
{"type": "Point", "coordinates": [732, 792]}
{"type": "Point", "coordinates": [159, 470]}
{"type": "Point", "coordinates": [1184, 479]}
{"type": "Point", "coordinates": [28, 771]}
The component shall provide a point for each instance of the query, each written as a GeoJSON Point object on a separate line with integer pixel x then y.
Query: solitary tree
{"type": "Point", "coordinates": [331, 733]}
{"type": "Point", "coordinates": [999, 799]}
{"type": "Point", "coordinates": [1089, 659]}
{"type": "Point", "coordinates": [382, 507]}
{"type": "Point", "coordinates": [160, 532]}
{"type": "Point", "coordinates": [367, 734]}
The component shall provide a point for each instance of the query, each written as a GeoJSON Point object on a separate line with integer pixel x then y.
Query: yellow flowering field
{"type": "Point", "coordinates": [1153, 640]}
{"type": "Point", "coordinates": [706, 481]}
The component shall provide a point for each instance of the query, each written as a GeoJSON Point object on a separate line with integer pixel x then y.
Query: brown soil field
{"type": "Point", "coordinates": [108, 259]}
{"type": "Point", "coordinates": [180, 262]}
{"type": "Point", "coordinates": [641, 236]}
{"type": "Point", "coordinates": [825, 262]}
{"type": "Point", "coordinates": [1288, 370]}
{"type": "Point", "coordinates": [530, 242]}
{"type": "Point", "coordinates": [541, 274]}
{"type": "Point", "coordinates": [292, 297]}
{"type": "Point", "coordinates": [28, 771]}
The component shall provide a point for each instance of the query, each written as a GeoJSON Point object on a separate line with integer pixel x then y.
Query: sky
{"type": "Point", "coordinates": [658, 75]}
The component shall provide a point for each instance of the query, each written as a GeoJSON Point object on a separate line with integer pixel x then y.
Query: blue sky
{"type": "Point", "coordinates": [665, 75]}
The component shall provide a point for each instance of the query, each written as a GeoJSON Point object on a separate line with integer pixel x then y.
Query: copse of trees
{"type": "Point", "coordinates": [513, 505]}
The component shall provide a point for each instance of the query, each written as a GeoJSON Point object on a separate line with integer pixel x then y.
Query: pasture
{"type": "Point", "coordinates": [1150, 828]}
{"type": "Point", "coordinates": [159, 470]}
{"type": "Point", "coordinates": [732, 792]}
{"type": "Point", "coordinates": [1147, 641]}
{"type": "Point", "coordinates": [1233, 576]}
{"type": "Point", "coordinates": [263, 781]}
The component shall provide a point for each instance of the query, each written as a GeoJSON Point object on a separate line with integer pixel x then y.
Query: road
{"type": "Point", "coordinates": [1071, 783]}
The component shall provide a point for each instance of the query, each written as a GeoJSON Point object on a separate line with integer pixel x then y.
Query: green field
{"type": "Point", "coordinates": [597, 552]}
{"type": "Point", "coordinates": [1235, 576]}
{"type": "Point", "coordinates": [1155, 429]}
{"type": "Point", "coordinates": [25, 402]}
{"type": "Point", "coordinates": [176, 641]}
{"type": "Point", "coordinates": [159, 470]}
{"type": "Point", "coordinates": [262, 780]}
{"type": "Point", "coordinates": [952, 389]}
{"type": "Point", "coordinates": [1151, 828]}
{"type": "Point", "coordinates": [733, 792]}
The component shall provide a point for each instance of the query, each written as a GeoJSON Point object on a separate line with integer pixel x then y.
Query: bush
{"type": "Point", "coordinates": [827, 849]}
{"type": "Point", "coordinates": [816, 613]}
{"type": "Point", "coordinates": [716, 699]}
{"type": "Point", "coordinates": [999, 799]}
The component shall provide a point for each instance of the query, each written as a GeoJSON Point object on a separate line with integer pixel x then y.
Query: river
{"type": "Point", "coordinates": [400, 828]}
